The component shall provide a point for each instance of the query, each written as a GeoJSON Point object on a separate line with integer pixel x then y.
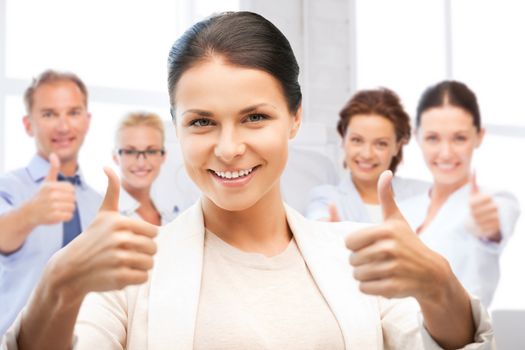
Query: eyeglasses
{"type": "Point", "coordinates": [135, 153]}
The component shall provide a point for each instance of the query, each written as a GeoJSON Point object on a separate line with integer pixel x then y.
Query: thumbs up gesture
{"type": "Point", "coordinates": [389, 259]}
{"type": "Point", "coordinates": [113, 252]}
{"type": "Point", "coordinates": [484, 212]}
{"type": "Point", "coordinates": [55, 201]}
{"type": "Point", "coordinates": [333, 214]}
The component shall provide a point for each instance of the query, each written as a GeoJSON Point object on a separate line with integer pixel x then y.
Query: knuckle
{"type": "Point", "coordinates": [149, 263]}
{"type": "Point", "coordinates": [121, 258]}
{"type": "Point", "coordinates": [389, 249]}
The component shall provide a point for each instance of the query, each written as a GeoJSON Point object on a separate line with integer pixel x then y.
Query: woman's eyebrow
{"type": "Point", "coordinates": [200, 112]}
{"type": "Point", "coordinates": [254, 107]}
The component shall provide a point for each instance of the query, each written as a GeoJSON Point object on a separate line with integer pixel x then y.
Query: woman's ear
{"type": "Point", "coordinates": [296, 122]}
{"type": "Point", "coordinates": [416, 136]}
{"type": "Point", "coordinates": [480, 135]}
{"type": "Point", "coordinates": [400, 144]}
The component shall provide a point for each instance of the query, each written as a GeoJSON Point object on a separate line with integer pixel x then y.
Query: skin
{"type": "Point", "coordinates": [138, 175]}
{"type": "Point", "coordinates": [241, 123]}
{"type": "Point", "coordinates": [58, 120]}
{"type": "Point", "coordinates": [369, 144]}
{"type": "Point", "coordinates": [447, 137]}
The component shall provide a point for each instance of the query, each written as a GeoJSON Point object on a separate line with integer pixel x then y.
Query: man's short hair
{"type": "Point", "coordinates": [48, 77]}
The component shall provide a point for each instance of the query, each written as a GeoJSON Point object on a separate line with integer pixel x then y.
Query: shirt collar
{"type": "Point", "coordinates": [38, 168]}
{"type": "Point", "coordinates": [128, 205]}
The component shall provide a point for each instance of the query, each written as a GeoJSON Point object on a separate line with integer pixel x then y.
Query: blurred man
{"type": "Point", "coordinates": [46, 204]}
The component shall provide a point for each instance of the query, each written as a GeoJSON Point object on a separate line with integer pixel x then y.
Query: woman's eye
{"type": "Point", "coordinates": [256, 117]}
{"type": "Point", "coordinates": [355, 140]}
{"type": "Point", "coordinates": [200, 123]}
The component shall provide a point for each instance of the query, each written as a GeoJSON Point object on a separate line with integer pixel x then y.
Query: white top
{"type": "Point", "coordinates": [374, 213]}
{"type": "Point", "coordinates": [350, 206]}
{"type": "Point", "coordinates": [128, 206]}
{"type": "Point", "coordinates": [474, 261]}
{"type": "Point", "coordinates": [250, 301]}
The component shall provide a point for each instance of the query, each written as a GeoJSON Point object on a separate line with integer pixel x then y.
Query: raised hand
{"type": "Point", "coordinates": [113, 252]}
{"type": "Point", "coordinates": [55, 201]}
{"type": "Point", "coordinates": [484, 213]}
{"type": "Point", "coordinates": [389, 259]}
{"type": "Point", "coordinates": [333, 215]}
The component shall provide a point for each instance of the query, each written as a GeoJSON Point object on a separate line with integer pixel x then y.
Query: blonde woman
{"type": "Point", "coordinates": [139, 153]}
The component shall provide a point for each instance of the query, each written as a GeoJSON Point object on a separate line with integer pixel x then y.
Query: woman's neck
{"type": "Point", "coordinates": [262, 228]}
{"type": "Point", "coordinates": [141, 195]}
{"type": "Point", "coordinates": [367, 190]}
{"type": "Point", "coordinates": [440, 191]}
{"type": "Point", "coordinates": [438, 196]}
{"type": "Point", "coordinates": [146, 210]}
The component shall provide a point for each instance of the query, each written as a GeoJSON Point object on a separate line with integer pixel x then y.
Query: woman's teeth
{"type": "Point", "coordinates": [232, 174]}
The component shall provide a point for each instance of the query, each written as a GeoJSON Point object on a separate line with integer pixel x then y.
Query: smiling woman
{"type": "Point", "coordinates": [467, 224]}
{"type": "Point", "coordinates": [240, 269]}
{"type": "Point", "coordinates": [139, 153]}
{"type": "Point", "coordinates": [374, 128]}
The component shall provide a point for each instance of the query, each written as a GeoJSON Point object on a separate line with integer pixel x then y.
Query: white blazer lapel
{"type": "Point", "coordinates": [327, 259]}
{"type": "Point", "coordinates": [175, 282]}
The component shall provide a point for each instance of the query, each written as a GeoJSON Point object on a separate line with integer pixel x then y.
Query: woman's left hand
{"type": "Point", "coordinates": [484, 212]}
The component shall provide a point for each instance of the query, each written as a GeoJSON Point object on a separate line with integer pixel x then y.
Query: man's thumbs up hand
{"type": "Point", "coordinates": [55, 200]}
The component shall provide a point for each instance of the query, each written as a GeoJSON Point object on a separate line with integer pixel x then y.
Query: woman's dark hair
{"type": "Point", "coordinates": [453, 93]}
{"type": "Point", "coordinates": [243, 39]}
{"type": "Point", "coordinates": [383, 102]}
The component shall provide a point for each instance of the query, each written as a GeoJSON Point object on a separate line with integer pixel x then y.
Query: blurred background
{"type": "Point", "coordinates": [119, 48]}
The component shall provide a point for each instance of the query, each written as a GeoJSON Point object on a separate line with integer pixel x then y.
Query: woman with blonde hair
{"type": "Point", "coordinates": [139, 153]}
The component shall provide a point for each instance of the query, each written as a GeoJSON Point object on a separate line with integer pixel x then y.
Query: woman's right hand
{"type": "Point", "coordinates": [112, 253]}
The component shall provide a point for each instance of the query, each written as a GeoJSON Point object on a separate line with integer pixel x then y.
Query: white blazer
{"type": "Point", "coordinates": [161, 313]}
{"type": "Point", "coordinates": [349, 204]}
{"type": "Point", "coordinates": [474, 261]}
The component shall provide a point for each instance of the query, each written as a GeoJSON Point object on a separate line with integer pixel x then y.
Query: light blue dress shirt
{"type": "Point", "coordinates": [20, 270]}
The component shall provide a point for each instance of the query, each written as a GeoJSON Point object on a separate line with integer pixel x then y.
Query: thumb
{"type": "Point", "coordinates": [386, 196]}
{"type": "Point", "coordinates": [334, 215]}
{"type": "Point", "coordinates": [474, 188]}
{"type": "Point", "coordinates": [111, 198]}
{"type": "Point", "coordinates": [52, 174]}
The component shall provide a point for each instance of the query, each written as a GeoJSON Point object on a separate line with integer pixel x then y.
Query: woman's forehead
{"type": "Point", "coordinates": [214, 83]}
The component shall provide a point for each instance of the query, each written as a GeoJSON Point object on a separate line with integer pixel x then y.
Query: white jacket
{"type": "Point", "coordinates": [161, 313]}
